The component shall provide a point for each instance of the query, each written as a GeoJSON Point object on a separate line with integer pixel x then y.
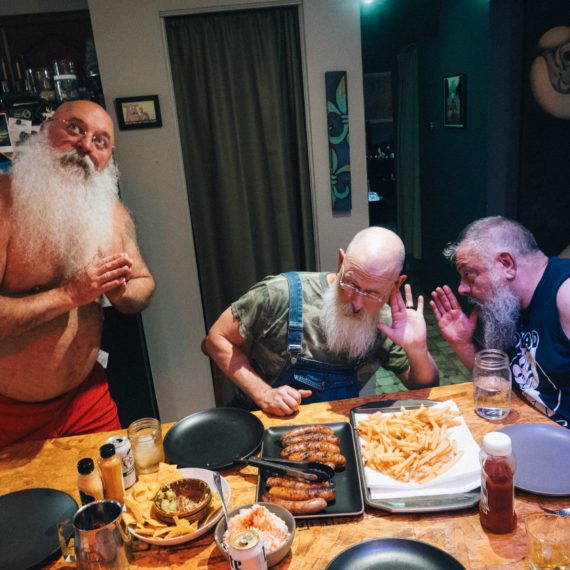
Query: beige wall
{"type": "Point", "coordinates": [133, 60]}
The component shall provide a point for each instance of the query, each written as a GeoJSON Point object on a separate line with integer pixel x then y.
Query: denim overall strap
{"type": "Point", "coordinates": [295, 334]}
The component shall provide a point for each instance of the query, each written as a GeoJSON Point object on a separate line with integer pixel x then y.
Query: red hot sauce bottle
{"type": "Point", "coordinates": [497, 506]}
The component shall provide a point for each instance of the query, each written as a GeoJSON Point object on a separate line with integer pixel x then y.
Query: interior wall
{"type": "Point", "coordinates": [133, 61]}
{"type": "Point", "coordinates": [453, 161]}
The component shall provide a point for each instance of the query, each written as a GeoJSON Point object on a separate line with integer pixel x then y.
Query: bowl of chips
{"type": "Point", "coordinates": [142, 519]}
{"type": "Point", "coordinates": [184, 498]}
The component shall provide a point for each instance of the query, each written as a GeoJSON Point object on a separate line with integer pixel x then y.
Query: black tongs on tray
{"type": "Point", "coordinates": [310, 470]}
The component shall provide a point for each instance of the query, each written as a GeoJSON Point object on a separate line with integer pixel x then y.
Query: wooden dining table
{"type": "Point", "coordinates": [52, 463]}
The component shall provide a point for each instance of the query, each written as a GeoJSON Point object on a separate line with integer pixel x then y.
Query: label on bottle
{"type": "Point", "coordinates": [85, 498]}
{"type": "Point", "coordinates": [484, 502]}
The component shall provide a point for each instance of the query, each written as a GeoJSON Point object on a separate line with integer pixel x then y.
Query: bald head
{"type": "Point", "coordinates": [377, 251]}
{"type": "Point", "coordinates": [84, 109]}
{"type": "Point", "coordinates": [85, 127]}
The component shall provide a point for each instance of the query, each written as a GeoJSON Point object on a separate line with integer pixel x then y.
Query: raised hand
{"type": "Point", "coordinates": [408, 328]}
{"type": "Point", "coordinates": [456, 327]}
{"type": "Point", "coordinates": [101, 275]}
{"type": "Point", "coordinates": [283, 401]}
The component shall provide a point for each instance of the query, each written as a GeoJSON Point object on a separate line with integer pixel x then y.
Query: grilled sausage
{"type": "Point", "coordinates": [306, 437]}
{"type": "Point", "coordinates": [302, 430]}
{"type": "Point", "coordinates": [322, 456]}
{"type": "Point", "coordinates": [309, 446]}
{"type": "Point", "coordinates": [297, 507]}
{"type": "Point", "coordinates": [302, 494]}
{"type": "Point", "coordinates": [292, 483]}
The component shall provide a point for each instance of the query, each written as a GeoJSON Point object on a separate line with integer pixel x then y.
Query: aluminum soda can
{"type": "Point", "coordinates": [124, 451]}
{"type": "Point", "coordinates": [246, 551]}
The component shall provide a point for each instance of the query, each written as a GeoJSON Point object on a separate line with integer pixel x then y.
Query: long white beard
{"type": "Point", "coordinates": [347, 332]}
{"type": "Point", "coordinates": [500, 316]}
{"type": "Point", "coordinates": [63, 207]}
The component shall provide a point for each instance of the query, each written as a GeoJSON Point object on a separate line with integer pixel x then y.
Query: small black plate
{"type": "Point", "coordinates": [394, 554]}
{"type": "Point", "coordinates": [346, 481]}
{"type": "Point", "coordinates": [211, 439]}
{"type": "Point", "coordinates": [28, 526]}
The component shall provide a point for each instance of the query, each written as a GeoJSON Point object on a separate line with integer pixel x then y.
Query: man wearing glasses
{"type": "Point", "coordinates": [310, 337]}
{"type": "Point", "coordinates": [65, 241]}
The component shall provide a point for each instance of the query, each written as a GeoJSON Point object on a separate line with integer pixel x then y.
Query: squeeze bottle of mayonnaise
{"type": "Point", "coordinates": [112, 473]}
{"type": "Point", "coordinates": [89, 482]}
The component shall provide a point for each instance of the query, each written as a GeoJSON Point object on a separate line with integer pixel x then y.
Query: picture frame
{"type": "Point", "coordinates": [142, 112]}
{"type": "Point", "coordinates": [455, 101]}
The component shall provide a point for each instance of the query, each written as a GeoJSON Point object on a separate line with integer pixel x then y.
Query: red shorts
{"type": "Point", "coordinates": [85, 409]}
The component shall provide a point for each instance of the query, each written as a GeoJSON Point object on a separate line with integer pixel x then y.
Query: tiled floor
{"type": "Point", "coordinates": [451, 370]}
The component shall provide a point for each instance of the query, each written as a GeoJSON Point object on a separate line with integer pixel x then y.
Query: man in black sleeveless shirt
{"type": "Point", "coordinates": [523, 298]}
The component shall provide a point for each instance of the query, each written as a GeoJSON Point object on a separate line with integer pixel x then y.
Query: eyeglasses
{"type": "Point", "coordinates": [352, 290]}
{"type": "Point", "coordinates": [76, 131]}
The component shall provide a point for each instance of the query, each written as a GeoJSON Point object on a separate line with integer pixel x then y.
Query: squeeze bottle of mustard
{"type": "Point", "coordinates": [89, 482]}
{"type": "Point", "coordinates": [112, 473]}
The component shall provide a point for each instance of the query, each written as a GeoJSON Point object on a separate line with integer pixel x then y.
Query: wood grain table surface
{"type": "Point", "coordinates": [52, 463]}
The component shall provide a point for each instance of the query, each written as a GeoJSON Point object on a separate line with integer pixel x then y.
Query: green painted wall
{"type": "Point", "coordinates": [453, 161]}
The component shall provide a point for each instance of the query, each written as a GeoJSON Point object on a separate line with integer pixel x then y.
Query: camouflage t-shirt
{"type": "Point", "coordinates": [263, 316]}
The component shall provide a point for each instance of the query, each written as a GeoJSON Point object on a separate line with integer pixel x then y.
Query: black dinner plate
{"type": "Point", "coordinates": [28, 526]}
{"type": "Point", "coordinates": [394, 554]}
{"type": "Point", "coordinates": [542, 453]}
{"type": "Point", "coordinates": [349, 499]}
{"type": "Point", "coordinates": [211, 439]}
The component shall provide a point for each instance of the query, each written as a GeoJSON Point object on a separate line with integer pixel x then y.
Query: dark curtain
{"type": "Point", "coordinates": [239, 97]}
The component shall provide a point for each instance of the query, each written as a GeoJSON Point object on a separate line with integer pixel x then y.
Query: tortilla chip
{"type": "Point", "coordinates": [140, 515]}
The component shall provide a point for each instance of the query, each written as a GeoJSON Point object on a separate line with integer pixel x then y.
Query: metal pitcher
{"type": "Point", "coordinates": [102, 540]}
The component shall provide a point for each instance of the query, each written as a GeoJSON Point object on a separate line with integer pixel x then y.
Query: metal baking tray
{"type": "Point", "coordinates": [437, 503]}
{"type": "Point", "coordinates": [349, 500]}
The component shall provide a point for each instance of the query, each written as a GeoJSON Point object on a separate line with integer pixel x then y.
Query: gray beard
{"type": "Point", "coordinates": [62, 207]}
{"type": "Point", "coordinates": [500, 317]}
{"type": "Point", "coordinates": [347, 332]}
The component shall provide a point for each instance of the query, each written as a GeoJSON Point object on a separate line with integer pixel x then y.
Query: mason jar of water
{"type": "Point", "coordinates": [492, 384]}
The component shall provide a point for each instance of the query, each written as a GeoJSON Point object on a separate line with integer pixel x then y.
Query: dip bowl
{"type": "Point", "coordinates": [184, 498]}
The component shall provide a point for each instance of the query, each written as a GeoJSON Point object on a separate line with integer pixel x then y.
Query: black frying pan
{"type": "Point", "coordinates": [394, 554]}
{"type": "Point", "coordinates": [212, 439]}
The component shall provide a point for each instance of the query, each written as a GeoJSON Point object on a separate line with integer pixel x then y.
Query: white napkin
{"type": "Point", "coordinates": [464, 476]}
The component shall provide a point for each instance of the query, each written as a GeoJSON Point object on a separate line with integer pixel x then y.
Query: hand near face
{"type": "Point", "coordinates": [283, 401]}
{"type": "Point", "coordinates": [454, 324]}
{"type": "Point", "coordinates": [106, 275]}
{"type": "Point", "coordinates": [408, 328]}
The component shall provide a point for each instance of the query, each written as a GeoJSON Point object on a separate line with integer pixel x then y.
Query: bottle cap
{"type": "Point", "coordinates": [85, 466]}
{"type": "Point", "coordinates": [107, 450]}
{"type": "Point", "coordinates": [497, 443]}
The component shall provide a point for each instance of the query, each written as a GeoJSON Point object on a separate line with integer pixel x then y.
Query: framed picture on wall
{"type": "Point", "coordinates": [454, 101]}
{"type": "Point", "coordinates": [138, 112]}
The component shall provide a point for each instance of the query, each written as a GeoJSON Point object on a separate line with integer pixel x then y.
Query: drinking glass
{"type": "Point", "coordinates": [145, 436]}
{"type": "Point", "coordinates": [548, 541]}
{"type": "Point", "coordinates": [492, 384]}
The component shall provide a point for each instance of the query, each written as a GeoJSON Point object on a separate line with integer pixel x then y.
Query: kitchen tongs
{"type": "Point", "coordinates": [310, 470]}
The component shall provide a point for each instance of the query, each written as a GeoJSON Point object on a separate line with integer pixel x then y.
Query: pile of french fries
{"type": "Point", "coordinates": [410, 445]}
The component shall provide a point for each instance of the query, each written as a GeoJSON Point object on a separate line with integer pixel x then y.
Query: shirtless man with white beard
{"type": "Point", "coordinates": [65, 240]}
{"type": "Point", "coordinates": [312, 337]}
